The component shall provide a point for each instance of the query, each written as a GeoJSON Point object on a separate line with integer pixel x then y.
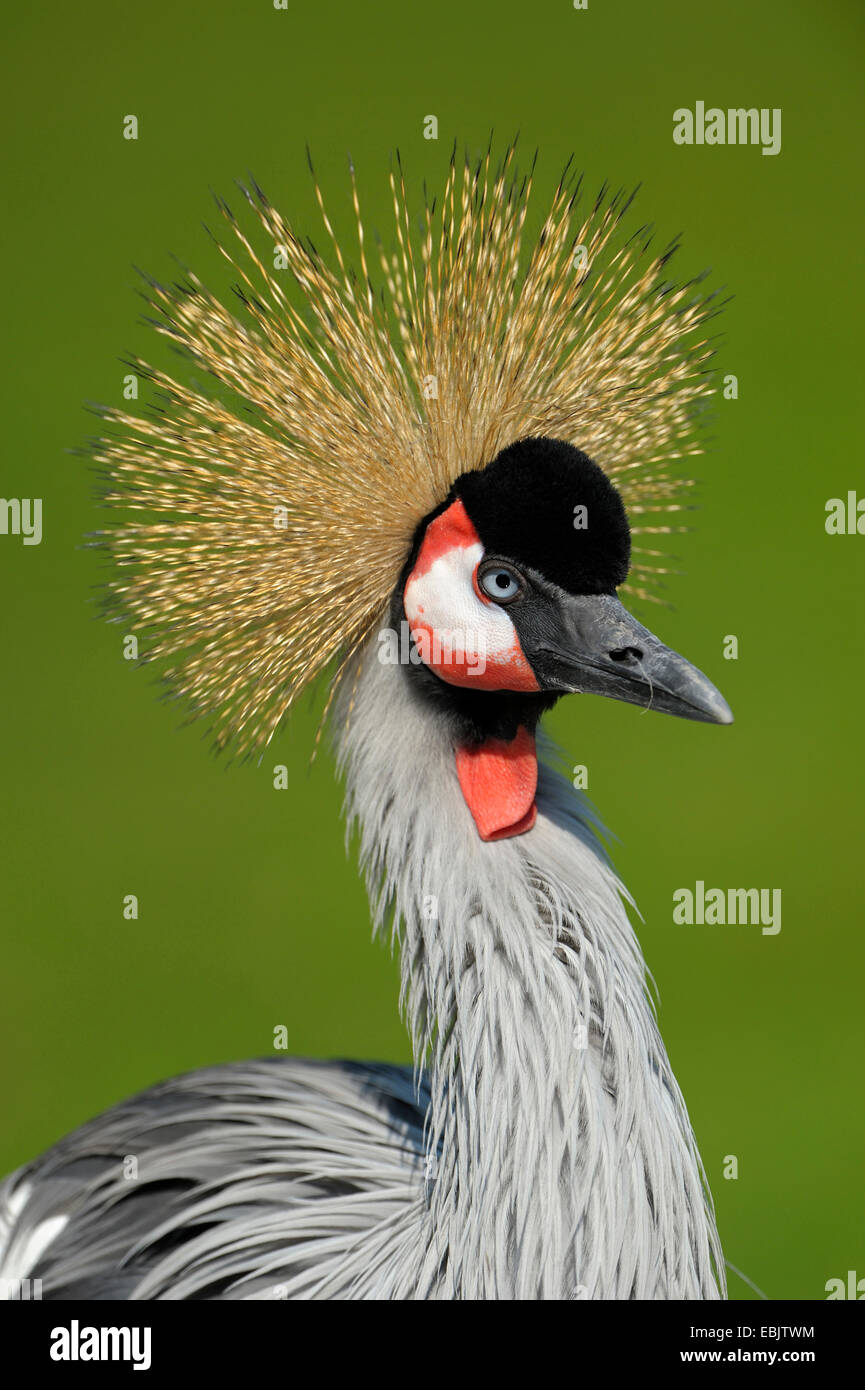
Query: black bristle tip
{"type": "Point", "coordinates": [244, 191]}
{"type": "Point", "coordinates": [258, 190]}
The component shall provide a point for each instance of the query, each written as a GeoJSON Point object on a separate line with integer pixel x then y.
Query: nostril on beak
{"type": "Point", "coordinates": [631, 656]}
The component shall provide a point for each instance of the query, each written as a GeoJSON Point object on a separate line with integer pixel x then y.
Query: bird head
{"type": "Point", "coordinates": [509, 595]}
{"type": "Point", "coordinates": [511, 586]}
{"type": "Point", "coordinates": [466, 447]}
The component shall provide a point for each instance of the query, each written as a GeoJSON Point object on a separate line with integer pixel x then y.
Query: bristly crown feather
{"type": "Point", "coordinates": [263, 533]}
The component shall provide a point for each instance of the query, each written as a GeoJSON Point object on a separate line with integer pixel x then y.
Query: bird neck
{"type": "Point", "coordinates": [556, 1134]}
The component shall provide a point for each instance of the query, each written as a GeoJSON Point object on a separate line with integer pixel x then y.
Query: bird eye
{"type": "Point", "coordinates": [499, 581]}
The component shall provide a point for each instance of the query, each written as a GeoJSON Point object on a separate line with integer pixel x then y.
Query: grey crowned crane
{"type": "Point", "coordinates": [421, 488]}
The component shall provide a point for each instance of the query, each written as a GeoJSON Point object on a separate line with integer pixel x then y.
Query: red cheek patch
{"type": "Point", "coordinates": [499, 781]}
{"type": "Point", "coordinates": [503, 671]}
{"type": "Point", "coordinates": [508, 672]}
{"type": "Point", "coordinates": [452, 530]}
{"type": "Point", "coordinates": [458, 631]}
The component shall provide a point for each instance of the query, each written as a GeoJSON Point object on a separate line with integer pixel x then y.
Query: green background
{"type": "Point", "coordinates": [251, 915]}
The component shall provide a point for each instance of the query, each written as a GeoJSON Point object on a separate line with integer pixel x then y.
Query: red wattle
{"type": "Point", "coordinates": [499, 780]}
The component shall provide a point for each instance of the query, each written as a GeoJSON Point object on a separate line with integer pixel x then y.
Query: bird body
{"type": "Point", "coordinates": [540, 1148]}
{"type": "Point", "coordinates": [522, 976]}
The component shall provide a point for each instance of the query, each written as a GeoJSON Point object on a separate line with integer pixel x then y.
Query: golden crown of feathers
{"type": "Point", "coordinates": [274, 515]}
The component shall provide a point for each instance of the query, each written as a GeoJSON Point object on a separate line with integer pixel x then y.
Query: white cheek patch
{"type": "Point", "coordinates": [466, 640]}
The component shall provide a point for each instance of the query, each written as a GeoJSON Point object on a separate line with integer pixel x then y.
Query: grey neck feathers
{"type": "Point", "coordinates": [560, 1159]}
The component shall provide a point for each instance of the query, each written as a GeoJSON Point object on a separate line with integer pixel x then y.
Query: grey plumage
{"type": "Point", "coordinates": [544, 1150]}
{"type": "Point", "coordinates": [255, 1180]}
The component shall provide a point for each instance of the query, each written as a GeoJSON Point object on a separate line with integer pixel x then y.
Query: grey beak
{"type": "Point", "coordinates": [599, 648]}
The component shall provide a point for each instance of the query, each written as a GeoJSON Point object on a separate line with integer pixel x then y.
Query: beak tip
{"type": "Point", "coordinates": [719, 711]}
